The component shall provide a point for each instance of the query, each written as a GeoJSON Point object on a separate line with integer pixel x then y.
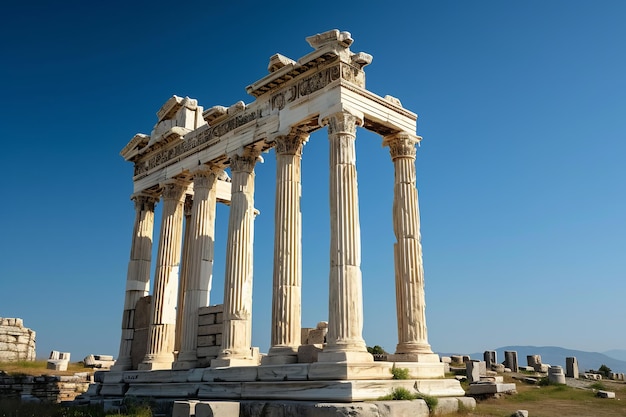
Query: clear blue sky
{"type": "Point", "coordinates": [521, 170]}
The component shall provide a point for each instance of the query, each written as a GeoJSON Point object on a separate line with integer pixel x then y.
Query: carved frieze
{"type": "Point", "coordinates": [298, 89]}
{"type": "Point", "coordinates": [316, 82]}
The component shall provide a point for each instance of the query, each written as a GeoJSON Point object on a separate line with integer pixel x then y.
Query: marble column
{"type": "Point", "coordinates": [160, 349]}
{"type": "Point", "coordinates": [200, 266]}
{"type": "Point", "coordinates": [345, 310]}
{"type": "Point", "coordinates": [237, 332]}
{"type": "Point", "coordinates": [409, 272]}
{"type": "Point", "coordinates": [183, 276]}
{"type": "Point", "coordinates": [138, 276]}
{"type": "Point", "coordinates": [287, 277]}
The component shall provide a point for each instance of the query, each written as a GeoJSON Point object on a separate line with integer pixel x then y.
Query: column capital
{"type": "Point", "coordinates": [402, 144]}
{"type": "Point", "coordinates": [173, 190]}
{"type": "Point", "coordinates": [144, 200]}
{"type": "Point", "coordinates": [204, 176]}
{"type": "Point", "coordinates": [290, 144]}
{"type": "Point", "coordinates": [245, 160]}
{"type": "Point", "coordinates": [342, 122]}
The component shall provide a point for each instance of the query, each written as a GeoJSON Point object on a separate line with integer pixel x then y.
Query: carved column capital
{"type": "Point", "coordinates": [145, 201]}
{"type": "Point", "coordinates": [244, 162]}
{"type": "Point", "coordinates": [173, 190]}
{"type": "Point", "coordinates": [342, 123]}
{"type": "Point", "coordinates": [204, 176]}
{"type": "Point", "coordinates": [402, 145]}
{"type": "Point", "coordinates": [291, 144]}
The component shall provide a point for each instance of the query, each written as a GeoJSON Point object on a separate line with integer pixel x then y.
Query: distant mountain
{"type": "Point", "coordinates": [616, 354]}
{"type": "Point", "coordinates": [553, 355]}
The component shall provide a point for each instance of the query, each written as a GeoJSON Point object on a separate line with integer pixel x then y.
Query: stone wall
{"type": "Point", "coordinates": [17, 343]}
{"type": "Point", "coordinates": [210, 325]}
{"type": "Point", "coordinates": [48, 388]}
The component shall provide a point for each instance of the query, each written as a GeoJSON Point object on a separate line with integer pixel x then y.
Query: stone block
{"type": "Point", "coordinates": [497, 367]}
{"type": "Point", "coordinates": [57, 365]}
{"type": "Point", "coordinates": [457, 360]}
{"type": "Point", "coordinates": [520, 413]}
{"type": "Point", "coordinates": [510, 360]}
{"type": "Point", "coordinates": [490, 358]}
{"type": "Point", "coordinates": [308, 353]}
{"type": "Point", "coordinates": [231, 374]}
{"type": "Point", "coordinates": [206, 319]}
{"type": "Point", "coordinates": [206, 340]}
{"type": "Point", "coordinates": [220, 390]}
{"type": "Point", "coordinates": [472, 370]}
{"type": "Point", "coordinates": [605, 394]}
{"type": "Point", "coordinates": [491, 388]}
{"type": "Point", "coordinates": [217, 409]}
{"type": "Point", "coordinates": [556, 375]}
{"type": "Point", "coordinates": [304, 335]}
{"type": "Point", "coordinates": [416, 408]}
{"type": "Point", "coordinates": [317, 336]}
{"type": "Point", "coordinates": [446, 359]}
{"type": "Point", "coordinates": [184, 408]}
{"type": "Point", "coordinates": [208, 351]}
{"type": "Point", "coordinates": [446, 406]}
{"type": "Point", "coordinates": [571, 367]}
{"type": "Point", "coordinates": [210, 329]}
{"type": "Point", "coordinates": [533, 360]}
{"type": "Point", "coordinates": [288, 372]}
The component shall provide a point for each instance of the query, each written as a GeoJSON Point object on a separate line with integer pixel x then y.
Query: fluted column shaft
{"type": "Point", "coordinates": [138, 275]}
{"type": "Point", "coordinates": [345, 316]}
{"type": "Point", "coordinates": [237, 334]}
{"type": "Point", "coordinates": [287, 278]}
{"type": "Point", "coordinates": [409, 271]}
{"type": "Point", "coordinates": [183, 277]}
{"type": "Point", "coordinates": [200, 267]}
{"type": "Point", "coordinates": [160, 352]}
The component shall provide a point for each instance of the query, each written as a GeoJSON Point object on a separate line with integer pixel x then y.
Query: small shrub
{"type": "Point", "coordinates": [430, 401]}
{"type": "Point", "coordinates": [598, 386]}
{"type": "Point", "coordinates": [402, 394]}
{"type": "Point", "coordinates": [399, 373]}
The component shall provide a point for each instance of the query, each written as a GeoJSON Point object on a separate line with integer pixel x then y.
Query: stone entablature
{"type": "Point", "coordinates": [17, 343]}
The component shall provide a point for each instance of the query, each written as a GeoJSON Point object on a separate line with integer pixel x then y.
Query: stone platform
{"type": "Point", "coordinates": [338, 382]}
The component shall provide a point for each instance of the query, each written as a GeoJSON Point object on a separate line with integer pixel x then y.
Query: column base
{"type": "Point", "coordinates": [280, 355]}
{"type": "Point", "coordinates": [186, 360]}
{"type": "Point", "coordinates": [249, 359]}
{"type": "Point", "coordinates": [156, 362]}
{"type": "Point", "coordinates": [345, 356]}
{"type": "Point", "coordinates": [122, 364]}
{"type": "Point", "coordinates": [414, 357]}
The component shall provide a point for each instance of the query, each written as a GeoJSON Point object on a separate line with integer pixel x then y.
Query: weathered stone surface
{"type": "Point", "coordinates": [605, 394]}
{"type": "Point", "coordinates": [556, 375]}
{"type": "Point", "coordinates": [17, 343]}
{"type": "Point", "coordinates": [217, 409]}
{"type": "Point", "coordinates": [571, 367]}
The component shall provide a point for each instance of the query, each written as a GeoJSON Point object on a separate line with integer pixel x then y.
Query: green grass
{"type": "Point", "coordinates": [11, 407]}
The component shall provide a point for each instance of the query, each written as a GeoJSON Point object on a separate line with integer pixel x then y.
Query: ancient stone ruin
{"type": "Point", "coordinates": [17, 343]}
{"type": "Point", "coordinates": [184, 163]}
